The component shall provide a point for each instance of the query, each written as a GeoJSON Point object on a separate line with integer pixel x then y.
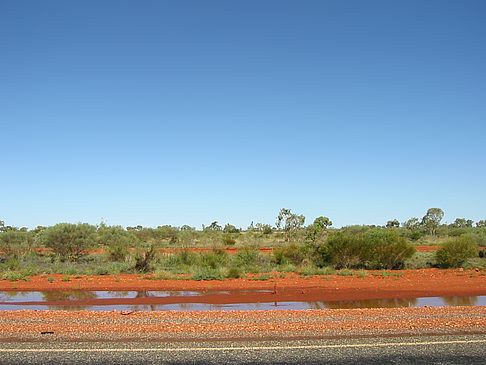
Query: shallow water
{"type": "Point", "coordinates": [197, 301]}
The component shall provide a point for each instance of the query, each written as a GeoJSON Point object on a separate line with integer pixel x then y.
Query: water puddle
{"type": "Point", "coordinates": [202, 301]}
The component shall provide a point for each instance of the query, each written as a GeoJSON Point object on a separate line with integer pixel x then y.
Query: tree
{"type": "Point", "coordinates": [214, 226]}
{"type": "Point", "coordinates": [462, 223]}
{"type": "Point", "coordinates": [432, 219]}
{"type": "Point", "coordinates": [292, 222]}
{"type": "Point", "coordinates": [264, 228]}
{"type": "Point", "coordinates": [481, 223]}
{"type": "Point", "coordinates": [412, 224]}
{"type": "Point", "coordinates": [320, 225]}
{"type": "Point", "coordinates": [229, 228]}
{"type": "Point", "coordinates": [392, 223]}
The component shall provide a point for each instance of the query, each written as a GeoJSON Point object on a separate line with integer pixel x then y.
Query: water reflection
{"type": "Point", "coordinates": [372, 303]}
{"type": "Point", "coordinates": [52, 296]}
{"type": "Point", "coordinates": [196, 301]}
{"type": "Point", "coordinates": [460, 301]}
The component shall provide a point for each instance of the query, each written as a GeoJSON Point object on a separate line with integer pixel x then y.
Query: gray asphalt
{"type": "Point", "coordinates": [470, 349]}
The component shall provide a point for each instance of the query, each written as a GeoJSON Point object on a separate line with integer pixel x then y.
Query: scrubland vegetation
{"type": "Point", "coordinates": [316, 249]}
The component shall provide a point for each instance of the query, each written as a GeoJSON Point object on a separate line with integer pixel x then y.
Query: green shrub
{"type": "Point", "coordinates": [228, 239]}
{"type": "Point", "coordinates": [117, 253]}
{"type": "Point", "coordinates": [233, 273]}
{"type": "Point", "coordinates": [16, 240]}
{"type": "Point", "coordinates": [14, 276]}
{"type": "Point", "coordinates": [68, 240]}
{"type": "Point", "coordinates": [163, 275]}
{"type": "Point", "coordinates": [478, 237]}
{"type": "Point", "coordinates": [415, 235]}
{"type": "Point", "coordinates": [186, 258]}
{"type": "Point", "coordinates": [206, 273]}
{"type": "Point", "coordinates": [10, 262]}
{"type": "Point", "coordinates": [345, 250]}
{"type": "Point", "coordinates": [345, 272]}
{"type": "Point", "coordinates": [421, 260]}
{"type": "Point", "coordinates": [455, 253]}
{"type": "Point", "coordinates": [117, 240]}
{"type": "Point", "coordinates": [289, 254]}
{"type": "Point", "coordinates": [246, 258]}
{"type": "Point", "coordinates": [372, 249]}
{"type": "Point", "coordinates": [144, 259]}
{"type": "Point", "coordinates": [214, 260]}
{"type": "Point", "coordinates": [390, 250]}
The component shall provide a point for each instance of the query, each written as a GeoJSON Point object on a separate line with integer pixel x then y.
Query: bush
{"type": "Point", "coordinates": [208, 274]}
{"type": "Point", "coordinates": [345, 250]}
{"type": "Point", "coordinates": [289, 254]}
{"type": "Point", "coordinates": [228, 240]}
{"type": "Point", "coordinates": [372, 249]}
{"type": "Point", "coordinates": [233, 273]}
{"type": "Point", "coordinates": [117, 239]}
{"type": "Point", "coordinates": [68, 240]}
{"type": "Point", "coordinates": [16, 240]}
{"type": "Point", "coordinates": [214, 260]}
{"type": "Point", "coordinates": [415, 235]}
{"type": "Point", "coordinates": [117, 253]}
{"type": "Point", "coordinates": [455, 253]}
{"type": "Point", "coordinates": [144, 259]}
{"type": "Point", "coordinates": [390, 250]}
{"type": "Point", "coordinates": [246, 258]}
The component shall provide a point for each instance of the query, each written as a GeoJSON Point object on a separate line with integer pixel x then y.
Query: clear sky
{"type": "Point", "coordinates": [187, 112]}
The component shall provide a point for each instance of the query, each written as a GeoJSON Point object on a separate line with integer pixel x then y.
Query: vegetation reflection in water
{"type": "Point", "coordinates": [12, 300]}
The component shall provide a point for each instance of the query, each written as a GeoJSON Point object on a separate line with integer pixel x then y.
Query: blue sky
{"type": "Point", "coordinates": [186, 112]}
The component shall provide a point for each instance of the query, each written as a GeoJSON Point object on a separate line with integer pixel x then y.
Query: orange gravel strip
{"type": "Point", "coordinates": [85, 325]}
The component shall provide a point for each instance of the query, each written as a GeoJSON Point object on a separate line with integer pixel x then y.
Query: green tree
{"type": "Point", "coordinates": [291, 222]}
{"type": "Point", "coordinates": [229, 228]}
{"type": "Point", "coordinates": [481, 223]}
{"type": "Point", "coordinates": [214, 226]}
{"type": "Point", "coordinates": [264, 228]}
{"type": "Point", "coordinates": [412, 224]}
{"type": "Point", "coordinates": [319, 226]}
{"type": "Point", "coordinates": [392, 223]}
{"type": "Point", "coordinates": [462, 223]}
{"type": "Point", "coordinates": [431, 220]}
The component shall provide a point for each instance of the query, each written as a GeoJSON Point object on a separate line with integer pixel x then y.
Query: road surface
{"type": "Point", "coordinates": [456, 349]}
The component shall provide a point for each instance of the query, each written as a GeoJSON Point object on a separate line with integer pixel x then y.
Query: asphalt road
{"type": "Point", "coordinates": [470, 349]}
